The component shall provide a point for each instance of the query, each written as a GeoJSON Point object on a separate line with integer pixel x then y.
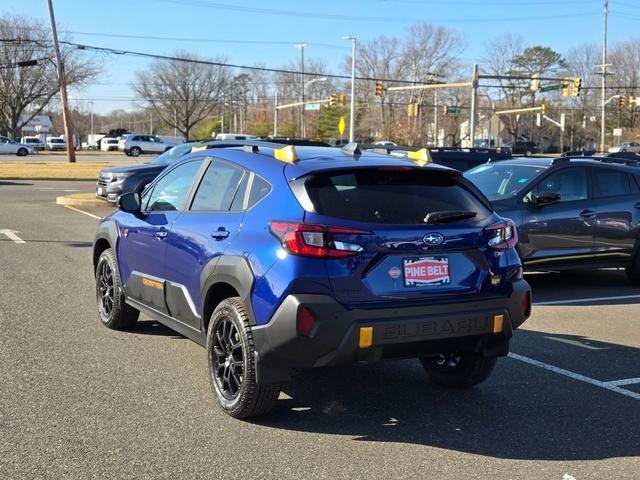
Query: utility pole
{"type": "Point", "coordinates": [151, 123]}
{"type": "Point", "coordinates": [275, 116]}
{"type": "Point", "coordinates": [352, 113]}
{"type": "Point", "coordinates": [62, 81]}
{"type": "Point", "coordinates": [474, 100]}
{"type": "Point", "coordinates": [435, 118]}
{"type": "Point", "coordinates": [302, 129]}
{"type": "Point", "coordinates": [604, 76]}
{"type": "Point", "coordinates": [91, 102]}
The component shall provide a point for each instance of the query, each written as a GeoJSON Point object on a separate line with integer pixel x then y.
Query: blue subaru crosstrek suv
{"type": "Point", "coordinates": [278, 259]}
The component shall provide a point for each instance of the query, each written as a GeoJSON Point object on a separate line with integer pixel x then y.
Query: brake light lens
{"type": "Point", "coordinates": [503, 235]}
{"type": "Point", "coordinates": [316, 240]}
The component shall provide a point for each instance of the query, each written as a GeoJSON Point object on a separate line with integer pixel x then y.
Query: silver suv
{"type": "Point", "coordinates": [135, 144]}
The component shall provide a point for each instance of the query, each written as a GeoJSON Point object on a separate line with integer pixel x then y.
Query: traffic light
{"type": "Point", "coordinates": [566, 87]}
{"type": "Point", "coordinates": [411, 109]}
{"type": "Point", "coordinates": [577, 85]}
{"type": "Point", "coordinates": [333, 100]}
{"type": "Point", "coordinates": [342, 100]}
{"type": "Point", "coordinates": [445, 109]}
{"type": "Point", "coordinates": [633, 102]}
{"type": "Point", "coordinates": [379, 88]}
{"type": "Point", "coordinates": [543, 108]}
{"type": "Point", "coordinates": [416, 109]}
{"type": "Point", "coordinates": [622, 101]}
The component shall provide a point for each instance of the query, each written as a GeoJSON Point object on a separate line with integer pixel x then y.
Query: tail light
{"type": "Point", "coordinates": [316, 240]}
{"type": "Point", "coordinates": [502, 236]}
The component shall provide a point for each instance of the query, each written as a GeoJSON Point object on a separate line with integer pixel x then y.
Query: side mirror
{"type": "Point", "coordinates": [547, 198]}
{"type": "Point", "coordinates": [130, 202]}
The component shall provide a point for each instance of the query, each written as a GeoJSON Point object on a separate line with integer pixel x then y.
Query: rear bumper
{"type": "Point", "coordinates": [484, 326]}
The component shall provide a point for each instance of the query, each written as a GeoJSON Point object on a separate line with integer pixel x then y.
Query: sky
{"type": "Point", "coordinates": [252, 31]}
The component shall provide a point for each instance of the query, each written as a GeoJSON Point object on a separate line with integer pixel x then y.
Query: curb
{"type": "Point", "coordinates": [81, 199]}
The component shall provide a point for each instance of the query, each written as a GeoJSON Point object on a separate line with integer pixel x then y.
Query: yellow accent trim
{"type": "Point", "coordinates": [421, 157]}
{"type": "Point", "coordinates": [286, 154]}
{"type": "Point", "coordinates": [152, 283]}
{"type": "Point", "coordinates": [198, 149]}
{"type": "Point", "coordinates": [366, 337]}
{"type": "Point", "coordinates": [498, 321]}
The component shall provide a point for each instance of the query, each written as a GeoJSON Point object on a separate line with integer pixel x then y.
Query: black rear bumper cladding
{"type": "Point", "coordinates": [397, 332]}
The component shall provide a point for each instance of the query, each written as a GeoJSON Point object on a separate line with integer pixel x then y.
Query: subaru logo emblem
{"type": "Point", "coordinates": [433, 239]}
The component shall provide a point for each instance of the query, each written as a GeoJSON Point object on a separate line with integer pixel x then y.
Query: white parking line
{"type": "Point", "coordinates": [576, 376]}
{"type": "Point", "coordinates": [586, 300]}
{"type": "Point", "coordinates": [11, 235]}
{"type": "Point", "coordinates": [82, 211]}
{"type": "Point", "coordinates": [624, 381]}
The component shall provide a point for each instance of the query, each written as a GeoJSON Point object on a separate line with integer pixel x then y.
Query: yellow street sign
{"type": "Point", "coordinates": [341, 125]}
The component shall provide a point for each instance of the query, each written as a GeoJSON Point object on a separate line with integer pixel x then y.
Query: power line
{"type": "Point", "coordinates": [359, 18]}
{"type": "Point", "coordinates": [115, 51]}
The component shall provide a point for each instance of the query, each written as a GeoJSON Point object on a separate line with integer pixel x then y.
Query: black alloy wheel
{"type": "Point", "coordinates": [113, 312]}
{"type": "Point", "coordinates": [228, 358]}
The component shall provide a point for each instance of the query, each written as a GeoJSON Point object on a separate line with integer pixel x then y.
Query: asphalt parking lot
{"type": "Point", "coordinates": [81, 401]}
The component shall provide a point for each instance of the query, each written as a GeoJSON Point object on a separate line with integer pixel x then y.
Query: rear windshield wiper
{"type": "Point", "coordinates": [444, 216]}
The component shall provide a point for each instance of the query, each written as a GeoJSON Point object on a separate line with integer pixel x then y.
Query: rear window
{"type": "Point", "coordinates": [387, 196]}
{"type": "Point", "coordinates": [498, 181]}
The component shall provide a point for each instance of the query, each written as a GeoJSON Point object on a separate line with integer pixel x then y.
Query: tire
{"type": "Point", "coordinates": [113, 312]}
{"type": "Point", "coordinates": [633, 270]}
{"type": "Point", "coordinates": [462, 370]}
{"type": "Point", "coordinates": [231, 361]}
{"type": "Point", "coordinates": [135, 152]}
{"type": "Point", "coordinates": [22, 152]}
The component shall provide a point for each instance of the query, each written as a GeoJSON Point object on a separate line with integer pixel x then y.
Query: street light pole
{"type": "Point", "coordinates": [302, 127]}
{"type": "Point", "coordinates": [66, 115]}
{"type": "Point", "coordinates": [352, 116]}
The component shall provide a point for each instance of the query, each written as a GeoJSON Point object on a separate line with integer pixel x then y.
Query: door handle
{"type": "Point", "coordinates": [160, 234]}
{"type": "Point", "coordinates": [587, 213]}
{"type": "Point", "coordinates": [220, 234]}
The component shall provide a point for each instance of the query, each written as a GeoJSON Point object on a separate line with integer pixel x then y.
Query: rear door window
{"type": "Point", "coordinates": [610, 183]}
{"type": "Point", "coordinates": [570, 183]}
{"type": "Point", "coordinates": [388, 195]}
{"type": "Point", "coordinates": [218, 188]}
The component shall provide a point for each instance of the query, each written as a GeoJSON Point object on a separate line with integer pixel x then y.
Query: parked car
{"type": "Point", "coordinates": [134, 145]}
{"type": "Point", "coordinates": [385, 143]}
{"type": "Point", "coordinates": [16, 148]}
{"type": "Point", "coordinates": [55, 143]}
{"type": "Point", "coordinates": [570, 212]}
{"type": "Point", "coordinates": [34, 142]}
{"type": "Point", "coordinates": [522, 148]}
{"type": "Point", "coordinates": [234, 136]}
{"type": "Point", "coordinates": [338, 142]}
{"type": "Point", "coordinates": [459, 158]}
{"type": "Point", "coordinates": [108, 144]}
{"type": "Point", "coordinates": [626, 147]}
{"type": "Point", "coordinates": [114, 181]}
{"type": "Point", "coordinates": [279, 258]}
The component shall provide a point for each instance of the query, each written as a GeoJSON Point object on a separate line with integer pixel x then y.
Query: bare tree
{"type": "Point", "coordinates": [625, 57]}
{"type": "Point", "coordinates": [26, 91]}
{"type": "Point", "coordinates": [184, 91]}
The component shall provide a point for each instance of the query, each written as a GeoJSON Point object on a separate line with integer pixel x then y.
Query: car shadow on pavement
{"type": "Point", "coordinates": [567, 286]}
{"type": "Point", "coordinates": [521, 412]}
{"type": "Point", "coordinates": [7, 182]}
{"type": "Point", "coordinates": [153, 327]}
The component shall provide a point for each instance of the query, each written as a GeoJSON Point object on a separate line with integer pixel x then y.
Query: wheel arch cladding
{"type": "Point", "coordinates": [226, 276]}
{"type": "Point", "coordinates": [106, 237]}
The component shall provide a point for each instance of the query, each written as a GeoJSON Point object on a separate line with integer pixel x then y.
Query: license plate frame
{"type": "Point", "coordinates": [426, 271]}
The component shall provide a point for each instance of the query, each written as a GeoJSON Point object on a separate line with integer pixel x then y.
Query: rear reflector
{"type": "Point", "coordinates": [366, 337]}
{"type": "Point", "coordinates": [306, 321]}
{"type": "Point", "coordinates": [498, 323]}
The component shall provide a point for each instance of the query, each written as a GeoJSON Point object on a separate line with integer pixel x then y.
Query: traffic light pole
{"type": "Point", "coordinates": [604, 76]}
{"type": "Point", "coordinates": [66, 115]}
{"type": "Point", "coordinates": [275, 116]}
{"type": "Point", "coordinates": [474, 100]}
